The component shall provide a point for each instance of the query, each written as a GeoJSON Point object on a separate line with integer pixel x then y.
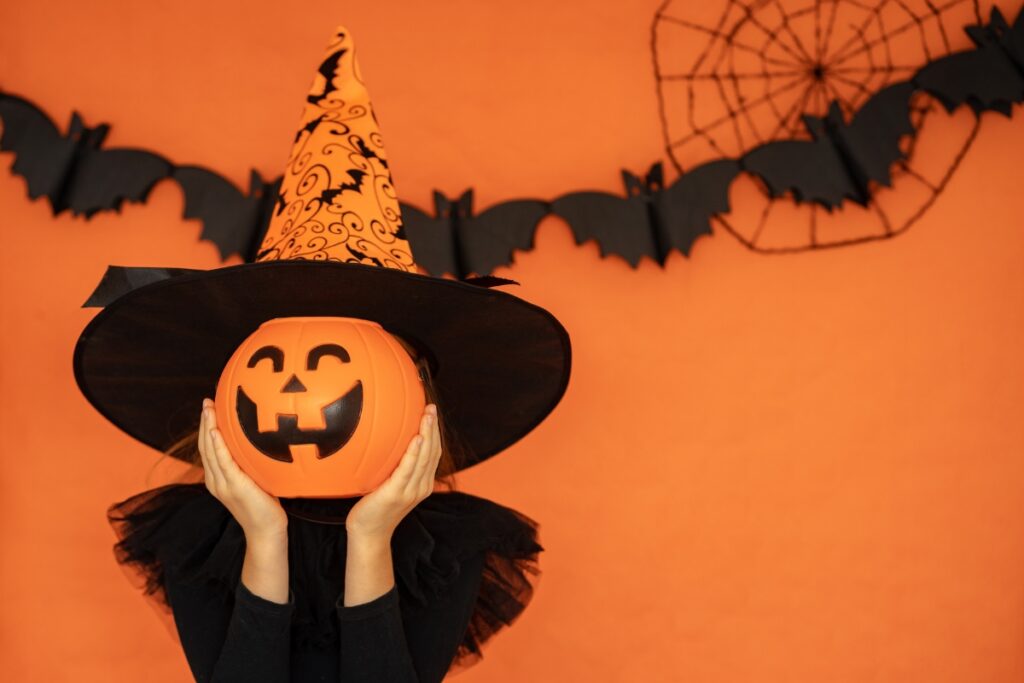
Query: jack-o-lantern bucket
{"type": "Point", "coordinates": [319, 406]}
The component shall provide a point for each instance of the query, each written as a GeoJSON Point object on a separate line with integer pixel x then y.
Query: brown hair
{"type": "Point", "coordinates": [453, 449]}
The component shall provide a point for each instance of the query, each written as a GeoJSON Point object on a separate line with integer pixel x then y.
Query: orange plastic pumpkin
{"type": "Point", "coordinates": [319, 406]}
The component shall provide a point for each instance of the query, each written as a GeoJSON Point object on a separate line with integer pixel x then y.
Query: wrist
{"type": "Point", "coordinates": [369, 573]}
{"type": "Point", "coordinates": [368, 540]}
{"type": "Point", "coordinates": [267, 538]}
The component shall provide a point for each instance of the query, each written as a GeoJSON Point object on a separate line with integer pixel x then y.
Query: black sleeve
{"type": "Point", "coordinates": [249, 642]}
{"type": "Point", "coordinates": [383, 640]}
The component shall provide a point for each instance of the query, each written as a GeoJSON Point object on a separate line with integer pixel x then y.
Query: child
{"type": "Point", "coordinates": [398, 584]}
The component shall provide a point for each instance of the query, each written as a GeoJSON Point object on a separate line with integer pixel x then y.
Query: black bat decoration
{"type": "Point", "coordinates": [842, 161]}
{"type": "Point", "coordinates": [620, 225]}
{"type": "Point", "coordinates": [456, 241]}
{"type": "Point", "coordinates": [651, 220]}
{"type": "Point", "coordinates": [71, 170]}
{"type": "Point", "coordinates": [988, 77]}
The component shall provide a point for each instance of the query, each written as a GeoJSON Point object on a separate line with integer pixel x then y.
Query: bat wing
{"type": "Point", "coordinates": [986, 77]}
{"type": "Point", "coordinates": [82, 178]}
{"type": "Point", "coordinates": [103, 178]}
{"type": "Point", "coordinates": [42, 155]}
{"type": "Point", "coordinates": [871, 143]}
{"type": "Point", "coordinates": [231, 220]}
{"type": "Point", "coordinates": [1013, 38]}
{"type": "Point", "coordinates": [983, 78]}
{"type": "Point", "coordinates": [812, 170]}
{"type": "Point", "coordinates": [620, 225]}
{"type": "Point", "coordinates": [430, 239]}
{"type": "Point", "coordinates": [686, 206]}
{"type": "Point", "coordinates": [489, 238]}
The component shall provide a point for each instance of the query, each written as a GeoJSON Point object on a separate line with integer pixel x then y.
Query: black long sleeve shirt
{"type": "Point", "coordinates": [381, 641]}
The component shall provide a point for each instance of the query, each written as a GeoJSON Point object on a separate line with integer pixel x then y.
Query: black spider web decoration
{"type": "Point", "coordinates": [730, 78]}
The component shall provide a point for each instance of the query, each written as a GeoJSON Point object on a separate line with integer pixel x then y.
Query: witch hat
{"type": "Point", "coordinates": [334, 247]}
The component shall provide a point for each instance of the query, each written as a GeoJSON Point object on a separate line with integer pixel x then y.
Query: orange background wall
{"type": "Point", "coordinates": [766, 468]}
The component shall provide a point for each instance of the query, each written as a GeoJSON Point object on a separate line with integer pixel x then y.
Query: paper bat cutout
{"type": "Point", "coordinates": [74, 172]}
{"type": "Point", "coordinates": [620, 225]}
{"type": "Point", "coordinates": [456, 241]}
{"type": "Point", "coordinates": [986, 78]}
{"type": "Point", "coordinates": [71, 170]}
{"type": "Point", "coordinates": [651, 219]}
{"type": "Point", "coordinates": [843, 160]}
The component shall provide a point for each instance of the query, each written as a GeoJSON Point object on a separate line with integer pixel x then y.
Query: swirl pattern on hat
{"type": "Point", "coordinates": [337, 201]}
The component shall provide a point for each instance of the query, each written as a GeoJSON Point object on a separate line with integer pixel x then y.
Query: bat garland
{"type": "Point", "coordinates": [842, 161]}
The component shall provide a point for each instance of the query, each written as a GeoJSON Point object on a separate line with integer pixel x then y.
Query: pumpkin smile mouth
{"type": "Point", "coordinates": [341, 418]}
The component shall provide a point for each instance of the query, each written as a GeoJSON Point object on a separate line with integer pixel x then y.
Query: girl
{"type": "Point", "coordinates": [402, 582]}
{"type": "Point", "coordinates": [329, 565]}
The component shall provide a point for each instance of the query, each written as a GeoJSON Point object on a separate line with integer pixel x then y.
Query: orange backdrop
{"type": "Point", "coordinates": [766, 468]}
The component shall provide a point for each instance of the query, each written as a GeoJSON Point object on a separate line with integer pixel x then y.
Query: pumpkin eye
{"type": "Point", "coordinates": [319, 352]}
{"type": "Point", "coordinates": [275, 355]}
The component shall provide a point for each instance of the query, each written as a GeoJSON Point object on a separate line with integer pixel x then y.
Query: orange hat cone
{"type": "Point", "coordinates": [339, 198]}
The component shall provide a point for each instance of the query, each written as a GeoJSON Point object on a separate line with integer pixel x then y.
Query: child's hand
{"type": "Point", "coordinates": [258, 513]}
{"type": "Point", "coordinates": [378, 513]}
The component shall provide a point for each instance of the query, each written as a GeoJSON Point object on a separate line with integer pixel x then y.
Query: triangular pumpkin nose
{"type": "Point", "coordinates": [293, 386]}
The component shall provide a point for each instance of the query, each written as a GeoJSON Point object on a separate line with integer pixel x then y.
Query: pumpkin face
{"type": "Point", "coordinates": [319, 406]}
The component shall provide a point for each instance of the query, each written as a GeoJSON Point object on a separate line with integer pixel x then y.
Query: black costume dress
{"type": "Point", "coordinates": [464, 568]}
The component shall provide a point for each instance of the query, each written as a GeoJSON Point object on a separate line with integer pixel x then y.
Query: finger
{"type": "Point", "coordinates": [434, 439]}
{"type": "Point", "coordinates": [225, 460]}
{"type": "Point", "coordinates": [438, 449]}
{"type": "Point", "coordinates": [226, 464]}
{"type": "Point", "coordinates": [205, 451]}
{"type": "Point", "coordinates": [400, 477]}
{"type": "Point", "coordinates": [211, 454]}
{"type": "Point", "coordinates": [435, 453]}
{"type": "Point", "coordinates": [435, 458]}
{"type": "Point", "coordinates": [427, 424]}
{"type": "Point", "coordinates": [201, 446]}
{"type": "Point", "coordinates": [217, 447]}
{"type": "Point", "coordinates": [202, 430]}
{"type": "Point", "coordinates": [234, 474]}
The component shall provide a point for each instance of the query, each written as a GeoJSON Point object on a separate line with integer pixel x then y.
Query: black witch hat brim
{"type": "Point", "coordinates": [146, 361]}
